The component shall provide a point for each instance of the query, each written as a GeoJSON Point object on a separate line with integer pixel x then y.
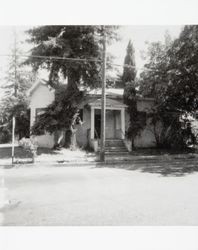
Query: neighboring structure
{"type": "Point", "coordinates": [117, 119]}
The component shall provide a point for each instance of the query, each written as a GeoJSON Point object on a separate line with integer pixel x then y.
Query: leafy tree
{"type": "Point", "coordinates": [170, 76]}
{"type": "Point", "coordinates": [183, 73]}
{"type": "Point", "coordinates": [15, 102]}
{"type": "Point", "coordinates": [73, 42]}
{"type": "Point", "coordinates": [154, 79]}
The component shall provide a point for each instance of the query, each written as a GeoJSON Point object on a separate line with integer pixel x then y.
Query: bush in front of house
{"type": "Point", "coordinates": [5, 135]}
{"type": "Point", "coordinates": [30, 145]}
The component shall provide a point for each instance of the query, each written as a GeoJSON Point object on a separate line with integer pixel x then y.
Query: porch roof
{"type": "Point", "coordinates": [110, 104]}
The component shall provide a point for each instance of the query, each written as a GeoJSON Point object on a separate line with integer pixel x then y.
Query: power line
{"type": "Point", "coordinates": [73, 59]}
{"type": "Point", "coordinates": [55, 57]}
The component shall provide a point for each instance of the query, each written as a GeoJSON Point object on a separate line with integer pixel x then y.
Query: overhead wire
{"type": "Point", "coordinates": [71, 59]}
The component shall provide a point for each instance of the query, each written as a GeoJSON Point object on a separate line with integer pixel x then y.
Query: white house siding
{"type": "Point", "coordinates": [146, 138]}
{"type": "Point", "coordinates": [41, 97]}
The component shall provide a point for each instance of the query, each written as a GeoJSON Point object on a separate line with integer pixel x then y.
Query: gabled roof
{"type": "Point", "coordinates": [36, 85]}
{"type": "Point", "coordinates": [110, 103]}
{"type": "Point", "coordinates": [109, 92]}
{"type": "Point", "coordinates": [116, 92]}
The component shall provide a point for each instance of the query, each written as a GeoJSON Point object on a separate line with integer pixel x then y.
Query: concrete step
{"type": "Point", "coordinates": [114, 142]}
{"type": "Point", "coordinates": [116, 153]}
{"type": "Point", "coordinates": [115, 149]}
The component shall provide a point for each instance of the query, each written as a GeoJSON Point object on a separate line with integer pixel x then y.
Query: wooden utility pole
{"type": "Point", "coordinates": [15, 93]}
{"type": "Point", "coordinates": [103, 101]}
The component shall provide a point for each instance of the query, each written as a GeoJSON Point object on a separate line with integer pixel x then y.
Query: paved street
{"type": "Point", "coordinates": [90, 195]}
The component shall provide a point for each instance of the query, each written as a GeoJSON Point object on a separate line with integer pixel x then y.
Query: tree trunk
{"type": "Point", "coordinates": [70, 138]}
{"type": "Point", "coordinates": [68, 134]}
{"type": "Point", "coordinates": [73, 145]}
{"type": "Point", "coordinates": [133, 143]}
{"type": "Point", "coordinates": [58, 139]}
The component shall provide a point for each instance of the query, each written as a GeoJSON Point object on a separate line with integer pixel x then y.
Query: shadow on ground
{"type": "Point", "coordinates": [176, 168]}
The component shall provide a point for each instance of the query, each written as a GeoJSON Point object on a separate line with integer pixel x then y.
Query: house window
{"type": "Point", "coordinates": [39, 111]}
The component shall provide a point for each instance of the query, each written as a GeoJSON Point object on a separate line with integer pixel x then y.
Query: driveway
{"type": "Point", "coordinates": [91, 195]}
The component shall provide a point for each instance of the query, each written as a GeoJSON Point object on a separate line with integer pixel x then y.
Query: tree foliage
{"type": "Point", "coordinates": [72, 42]}
{"type": "Point", "coordinates": [130, 98]}
{"type": "Point", "coordinates": [129, 72]}
{"type": "Point", "coordinates": [17, 78]}
{"type": "Point", "coordinates": [59, 114]}
{"type": "Point", "coordinates": [170, 76]}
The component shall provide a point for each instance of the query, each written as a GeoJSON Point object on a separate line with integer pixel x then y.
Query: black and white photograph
{"type": "Point", "coordinates": [98, 125]}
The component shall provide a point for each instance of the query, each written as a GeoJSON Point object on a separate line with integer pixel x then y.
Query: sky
{"type": "Point", "coordinates": [138, 35]}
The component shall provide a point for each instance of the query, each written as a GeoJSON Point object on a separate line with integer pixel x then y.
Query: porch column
{"type": "Point", "coordinates": [123, 123]}
{"type": "Point", "coordinates": [92, 122]}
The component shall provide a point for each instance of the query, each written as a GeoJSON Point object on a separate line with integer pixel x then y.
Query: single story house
{"type": "Point", "coordinates": [117, 118]}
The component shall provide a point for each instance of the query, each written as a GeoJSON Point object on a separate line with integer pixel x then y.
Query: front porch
{"type": "Point", "coordinates": [114, 121]}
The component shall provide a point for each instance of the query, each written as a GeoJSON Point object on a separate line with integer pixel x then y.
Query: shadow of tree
{"type": "Point", "coordinates": [176, 168]}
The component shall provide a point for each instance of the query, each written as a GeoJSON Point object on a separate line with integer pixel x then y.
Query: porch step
{"type": "Point", "coordinates": [113, 153]}
{"type": "Point", "coordinates": [115, 147]}
{"type": "Point", "coordinates": [114, 143]}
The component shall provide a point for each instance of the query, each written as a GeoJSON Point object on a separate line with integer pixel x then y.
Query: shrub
{"type": "Point", "coordinates": [30, 145]}
{"type": "Point", "coordinates": [5, 135]}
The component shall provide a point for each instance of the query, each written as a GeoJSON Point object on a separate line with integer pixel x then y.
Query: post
{"type": "Point", "coordinates": [123, 123]}
{"type": "Point", "coordinates": [103, 102]}
{"type": "Point", "coordinates": [13, 133]}
{"type": "Point", "coordinates": [15, 93]}
{"type": "Point", "coordinates": [92, 123]}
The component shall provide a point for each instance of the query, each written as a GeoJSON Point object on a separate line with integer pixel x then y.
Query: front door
{"type": "Point", "coordinates": [112, 128]}
{"type": "Point", "coordinates": [97, 125]}
{"type": "Point", "coordinates": [110, 124]}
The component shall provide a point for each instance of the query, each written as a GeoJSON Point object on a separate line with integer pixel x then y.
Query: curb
{"type": "Point", "coordinates": [133, 160]}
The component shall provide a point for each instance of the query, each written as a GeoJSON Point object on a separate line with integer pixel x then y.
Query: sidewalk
{"type": "Point", "coordinates": [46, 157]}
{"type": "Point", "coordinates": [80, 157]}
{"type": "Point", "coordinates": [93, 159]}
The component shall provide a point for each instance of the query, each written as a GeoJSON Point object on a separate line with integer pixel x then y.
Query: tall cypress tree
{"type": "Point", "coordinates": [128, 78]}
{"type": "Point", "coordinates": [129, 72]}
